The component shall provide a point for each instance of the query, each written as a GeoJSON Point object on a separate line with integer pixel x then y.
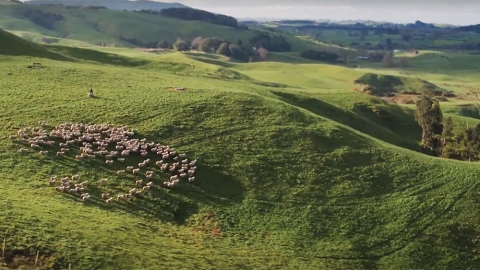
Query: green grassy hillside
{"type": "Point", "coordinates": [299, 173]}
{"type": "Point", "coordinates": [383, 84]}
{"type": "Point", "coordinates": [83, 27]}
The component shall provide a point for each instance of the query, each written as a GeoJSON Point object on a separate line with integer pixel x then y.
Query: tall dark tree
{"type": "Point", "coordinates": [429, 117]}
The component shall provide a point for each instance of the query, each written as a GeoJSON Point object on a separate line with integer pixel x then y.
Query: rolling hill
{"type": "Point", "coordinates": [295, 170]}
{"type": "Point", "coordinates": [115, 5]}
{"type": "Point", "coordinates": [64, 25]}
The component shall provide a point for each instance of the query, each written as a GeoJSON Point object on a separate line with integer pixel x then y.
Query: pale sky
{"type": "Point", "coordinates": [458, 12]}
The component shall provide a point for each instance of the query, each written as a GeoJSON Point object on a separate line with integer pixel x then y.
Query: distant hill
{"type": "Point", "coordinates": [470, 28]}
{"type": "Point", "coordinates": [87, 26]}
{"type": "Point", "coordinates": [110, 4]}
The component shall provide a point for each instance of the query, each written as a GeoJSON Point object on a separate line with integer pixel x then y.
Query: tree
{"type": "Point", "coordinates": [163, 44]}
{"type": "Point", "coordinates": [388, 44]}
{"type": "Point", "coordinates": [181, 45]}
{"type": "Point", "coordinates": [239, 42]}
{"type": "Point", "coordinates": [210, 45]}
{"type": "Point", "coordinates": [262, 53]}
{"type": "Point", "coordinates": [239, 53]}
{"type": "Point", "coordinates": [224, 49]}
{"type": "Point", "coordinates": [196, 43]}
{"type": "Point", "coordinates": [387, 60]}
{"type": "Point", "coordinates": [429, 117]}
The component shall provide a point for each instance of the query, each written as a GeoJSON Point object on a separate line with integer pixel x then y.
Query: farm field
{"type": "Point", "coordinates": [295, 168]}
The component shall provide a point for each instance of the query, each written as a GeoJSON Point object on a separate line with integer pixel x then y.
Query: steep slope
{"type": "Point", "coordinates": [10, 44]}
{"type": "Point", "coordinates": [281, 184]}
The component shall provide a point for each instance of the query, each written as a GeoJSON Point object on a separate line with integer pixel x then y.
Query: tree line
{"type": "Point", "coordinates": [237, 51]}
{"type": "Point", "coordinates": [191, 14]}
{"type": "Point", "coordinates": [441, 137]}
{"type": "Point", "coordinates": [46, 20]}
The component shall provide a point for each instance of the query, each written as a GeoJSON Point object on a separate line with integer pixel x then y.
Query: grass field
{"type": "Point", "coordinates": [295, 169]}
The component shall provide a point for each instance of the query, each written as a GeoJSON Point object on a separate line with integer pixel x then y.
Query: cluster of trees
{"type": "Point", "coordinates": [190, 14]}
{"type": "Point", "coordinates": [322, 56]}
{"type": "Point", "coordinates": [439, 135]}
{"type": "Point", "coordinates": [237, 51]}
{"type": "Point", "coordinates": [273, 43]}
{"type": "Point", "coordinates": [44, 19]}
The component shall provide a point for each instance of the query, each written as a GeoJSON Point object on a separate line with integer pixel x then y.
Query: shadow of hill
{"type": "Point", "coordinates": [11, 44]}
{"type": "Point", "coordinates": [209, 59]}
{"type": "Point", "coordinates": [345, 117]}
{"type": "Point", "coordinates": [98, 57]}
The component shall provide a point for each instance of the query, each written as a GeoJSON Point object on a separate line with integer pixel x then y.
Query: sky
{"type": "Point", "coordinates": [457, 12]}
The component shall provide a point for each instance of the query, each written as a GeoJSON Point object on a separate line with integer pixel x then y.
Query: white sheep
{"type": "Point", "coordinates": [75, 177]}
{"type": "Point", "coordinates": [103, 181]}
{"type": "Point", "coordinates": [105, 196]}
{"type": "Point", "coordinates": [44, 153]}
{"type": "Point", "coordinates": [121, 159]}
{"type": "Point", "coordinates": [135, 171]}
{"type": "Point", "coordinates": [109, 201]}
{"type": "Point", "coordinates": [109, 162]}
{"type": "Point", "coordinates": [146, 188]}
{"type": "Point", "coordinates": [120, 172]}
{"type": "Point", "coordinates": [191, 179]}
{"type": "Point", "coordinates": [139, 182]}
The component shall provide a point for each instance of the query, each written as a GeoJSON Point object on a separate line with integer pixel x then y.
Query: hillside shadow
{"type": "Point", "coordinates": [97, 56]}
{"type": "Point", "coordinates": [345, 117]}
{"type": "Point", "coordinates": [209, 59]}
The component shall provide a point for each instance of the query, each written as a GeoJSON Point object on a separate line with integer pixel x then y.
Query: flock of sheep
{"type": "Point", "coordinates": [113, 144]}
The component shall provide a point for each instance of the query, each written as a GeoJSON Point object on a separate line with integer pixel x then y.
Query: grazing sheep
{"type": "Point", "coordinates": [120, 172]}
{"type": "Point", "coordinates": [191, 179]}
{"type": "Point", "coordinates": [85, 198]}
{"type": "Point", "coordinates": [103, 181]}
{"type": "Point", "coordinates": [150, 184]}
{"type": "Point", "coordinates": [129, 168]}
{"type": "Point", "coordinates": [149, 176]}
{"type": "Point", "coordinates": [173, 178]}
{"type": "Point", "coordinates": [139, 182]}
{"type": "Point", "coordinates": [109, 201]}
{"type": "Point", "coordinates": [22, 150]}
{"type": "Point", "coordinates": [121, 159]}
{"type": "Point", "coordinates": [59, 189]}
{"type": "Point", "coordinates": [183, 175]}
{"type": "Point", "coordinates": [43, 153]}
{"type": "Point", "coordinates": [105, 196]}
{"type": "Point", "coordinates": [146, 188]}
{"type": "Point", "coordinates": [109, 162]}
{"type": "Point", "coordinates": [135, 171]}
{"type": "Point", "coordinates": [120, 197]}
{"type": "Point", "coordinates": [159, 163]}
{"type": "Point", "coordinates": [75, 177]}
